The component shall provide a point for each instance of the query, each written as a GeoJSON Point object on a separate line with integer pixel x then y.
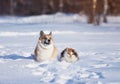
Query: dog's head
{"type": "Point", "coordinates": [45, 39]}
{"type": "Point", "coordinates": [69, 55]}
{"type": "Point", "coordinates": [70, 51]}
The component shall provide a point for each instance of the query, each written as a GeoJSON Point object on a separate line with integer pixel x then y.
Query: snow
{"type": "Point", "coordinates": [98, 48]}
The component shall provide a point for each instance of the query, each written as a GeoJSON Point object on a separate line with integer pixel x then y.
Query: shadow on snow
{"type": "Point", "coordinates": [15, 57]}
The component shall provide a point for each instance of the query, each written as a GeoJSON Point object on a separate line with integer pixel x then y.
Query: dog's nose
{"type": "Point", "coordinates": [47, 41]}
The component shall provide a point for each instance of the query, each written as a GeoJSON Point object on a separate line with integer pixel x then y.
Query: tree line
{"type": "Point", "coordinates": [92, 8]}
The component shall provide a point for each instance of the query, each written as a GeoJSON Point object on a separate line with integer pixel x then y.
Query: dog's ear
{"type": "Point", "coordinates": [41, 33]}
{"type": "Point", "coordinates": [66, 49]}
{"type": "Point", "coordinates": [50, 33]}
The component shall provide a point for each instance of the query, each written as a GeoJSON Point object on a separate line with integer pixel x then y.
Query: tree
{"type": "Point", "coordinates": [44, 7]}
{"type": "Point", "coordinates": [11, 7]}
{"type": "Point", "coordinates": [61, 4]}
{"type": "Point", "coordinates": [52, 5]}
{"type": "Point", "coordinates": [96, 14]}
{"type": "Point", "coordinates": [105, 11]}
{"type": "Point", "coordinates": [92, 12]}
{"type": "Point", "coordinates": [97, 11]}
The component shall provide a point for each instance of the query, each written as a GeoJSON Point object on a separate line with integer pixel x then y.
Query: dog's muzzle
{"type": "Point", "coordinates": [47, 41]}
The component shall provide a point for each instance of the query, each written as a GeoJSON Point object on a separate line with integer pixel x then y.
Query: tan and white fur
{"type": "Point", "coordinates": [69, 55]}
{"type": "Point", "coordinates": [45, 49]}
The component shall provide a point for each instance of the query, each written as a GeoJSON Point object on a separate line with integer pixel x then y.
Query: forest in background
{"type": "Point", "coordinates": [36, 7]}
{"type": "Point", "coordinates": [94, 9]}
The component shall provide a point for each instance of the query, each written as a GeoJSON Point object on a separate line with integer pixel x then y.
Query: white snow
{"type": "Point", "coordinates": [98, 48]}
{"type": "Point", "coordinates": [1, 46]}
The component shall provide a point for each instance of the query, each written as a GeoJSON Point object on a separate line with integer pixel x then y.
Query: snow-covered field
{"type": "Point", "coordinates": [98, 48]}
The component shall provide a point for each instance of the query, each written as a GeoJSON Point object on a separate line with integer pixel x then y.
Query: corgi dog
{"type": "Point", "coordinates": [45, 49]}
{"type": "Point", "coordinates": [69, 55]}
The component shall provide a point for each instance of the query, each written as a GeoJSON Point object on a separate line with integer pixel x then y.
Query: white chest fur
{"type": "Point", "coordinates": [45, 53]}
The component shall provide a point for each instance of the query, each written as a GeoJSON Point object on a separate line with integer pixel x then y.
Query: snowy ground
{"type": "Point", "coordinates": [98, 48]}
